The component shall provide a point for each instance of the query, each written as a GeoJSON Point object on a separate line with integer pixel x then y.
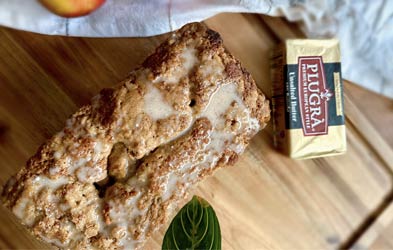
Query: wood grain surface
{"type": "Point", "coordinates": [377, 109]}
{"type": "Point", "coordinates": [265, 201]}
{"type": "Point", "coordinates": [379, 235]}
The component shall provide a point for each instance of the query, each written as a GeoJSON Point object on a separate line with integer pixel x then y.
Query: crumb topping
{"type": "Point", "coordinates": [122, 164]}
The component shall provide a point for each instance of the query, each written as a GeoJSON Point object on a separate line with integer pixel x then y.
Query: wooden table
{"type": "Point", "coordinates": [266, 201]}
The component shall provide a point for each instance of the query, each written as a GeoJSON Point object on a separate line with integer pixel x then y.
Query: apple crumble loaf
{"type": "Point", "coordinates": [123, 163]}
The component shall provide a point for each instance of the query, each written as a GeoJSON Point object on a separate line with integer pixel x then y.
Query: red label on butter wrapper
{"type": "Point", "coordinates": [313, 96]}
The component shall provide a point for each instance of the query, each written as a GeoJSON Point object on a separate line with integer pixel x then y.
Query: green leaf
{"type": "Point", "coordinates": [194, 227]}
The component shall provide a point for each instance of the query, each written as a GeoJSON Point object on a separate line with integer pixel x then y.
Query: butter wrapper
{"type": "Point", "coordinates": [307, 98]}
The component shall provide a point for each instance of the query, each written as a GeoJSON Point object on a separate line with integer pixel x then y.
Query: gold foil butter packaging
{"type": "Point", "coordinates": [307, 98]}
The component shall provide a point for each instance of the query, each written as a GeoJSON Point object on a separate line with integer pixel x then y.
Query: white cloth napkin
{"type": "Point", "coordinates": [365, 28]}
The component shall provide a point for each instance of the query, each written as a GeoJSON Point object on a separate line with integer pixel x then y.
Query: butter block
{"type": "Point", "coordinates": [307, 98]}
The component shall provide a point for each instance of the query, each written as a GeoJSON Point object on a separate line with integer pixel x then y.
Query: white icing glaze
{"type": "Point", "coordinates": [39, 182]}
{"type": "Point", "coordinates": [253, 122]}
{"type": "Point", "coordinates": [155, 105]}
{"type": "Point", "coordinates": [138, 120]}
{"type": "Point", "coordinates": [101, 150]}
{"type": "Point", "coordinates": [87, 168]}
{"type": "Point", "coordinates": [54, 170]}
{"type": "Point", "coordinates": [55, 241]}
{"type": "Point", "coordinates": [99, 147]}
{"type": "Point", "coordinates": [171, 185]}
{"type": "Point", "coordinates": [42, 181]}
{"type": "Point", "coordinates": [213, 68]}
{"type": "Point", "coordinates": [100, 218]}
{"type": "Point", "coordinates": [123, 216]}
{"type": "Point", "coordinates": [90, 174]}
{"type": "Point", "coordinates": [188, 59]}
{"type": "Point", "coordinates": [74, 165]}
{"type": "Point", "coordinates": [20, 208]}
{"type": "Point", "coordinates": [220, 139]}
{"type": "Point", "coordinates": [57, 155]}
{"type": "Point", "coordinates": [220, 101]}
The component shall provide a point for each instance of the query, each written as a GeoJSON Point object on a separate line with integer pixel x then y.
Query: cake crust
{"type": "Point", "coordinates": [123, 163]}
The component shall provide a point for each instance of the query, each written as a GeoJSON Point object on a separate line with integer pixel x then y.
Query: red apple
{"type": "Point", "coordinates": [72, 8]}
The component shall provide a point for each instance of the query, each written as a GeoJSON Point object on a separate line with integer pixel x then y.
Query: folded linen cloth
{"type": "Point", "coordinates": [365, 28]}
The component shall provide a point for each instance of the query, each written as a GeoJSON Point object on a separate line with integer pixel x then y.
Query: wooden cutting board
{"type": "Point", "coordinates": [265, 201]}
